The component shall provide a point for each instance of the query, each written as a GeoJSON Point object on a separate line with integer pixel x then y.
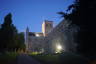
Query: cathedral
{"type": "Point", "coordinates": [52, 39]}
{"type": "Point", "coordinates": [35, 40]}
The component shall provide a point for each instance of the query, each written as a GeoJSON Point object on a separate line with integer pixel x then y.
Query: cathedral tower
{"type": "Point", "coordinates": [47, 27]}
{"type": "Point", "coordinates": [26, 38]}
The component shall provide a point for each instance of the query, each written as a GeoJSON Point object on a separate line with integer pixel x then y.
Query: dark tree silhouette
{"type": "Point", "coordinates": [21, 40]}
{"type": "Point", "coordinates": [84, 15]}
{"type": "Point", "coordinates": [7, 34]}
{"type": "Point", "coordinates": [10, 39]}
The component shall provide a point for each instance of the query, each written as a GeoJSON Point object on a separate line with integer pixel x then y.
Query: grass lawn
{"type": "Point", "coordinates": [47, 59]}
{"type": "Point", "coordinates": [64, 58]}
{"type": "Point", "coordinates": [8, 58]}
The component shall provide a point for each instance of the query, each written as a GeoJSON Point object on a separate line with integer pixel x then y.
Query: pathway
{"type": "Point", "coordinates": [25, 59]}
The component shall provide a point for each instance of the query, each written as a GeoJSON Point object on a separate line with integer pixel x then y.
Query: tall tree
{"type": "Point", "coordinates": [84, 15]}
{"type": "Point", "coordinates": [7, 34]}
{"type": "Point", "coordinates": [21, 41]}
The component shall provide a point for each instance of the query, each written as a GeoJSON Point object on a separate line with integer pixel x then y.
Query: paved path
{"type": "Point", "coordinates": [25, 59]}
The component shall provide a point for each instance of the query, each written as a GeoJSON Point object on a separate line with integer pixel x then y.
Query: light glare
{"type": "Point", "coordinates": [59, 47]}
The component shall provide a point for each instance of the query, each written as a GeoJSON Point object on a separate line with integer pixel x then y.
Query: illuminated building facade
{"type": "Point", "coordinates": [35, 40]}
{"type": "Point", "coordinates": [52, 40]}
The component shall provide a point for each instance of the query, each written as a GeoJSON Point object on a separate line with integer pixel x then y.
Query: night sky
{"type": "Point", "coordinates": [31, 13]}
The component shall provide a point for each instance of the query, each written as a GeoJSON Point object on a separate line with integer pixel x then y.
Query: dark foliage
{"type": "Point", "coordinates": [7, 34]}
{"type": "Point", "coordinates": [21, 40]}
{"type": "Point", "coordinates": [84, 15]}
{"type": "Point", "coordinates": [10, 40]}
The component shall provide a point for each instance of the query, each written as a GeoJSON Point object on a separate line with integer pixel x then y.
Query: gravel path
{"type": "Point", "coordinates": [25, 59]}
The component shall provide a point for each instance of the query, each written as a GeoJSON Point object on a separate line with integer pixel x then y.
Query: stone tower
{"type": "Point", "coordinates": [0, 25]}
{"type": "Point", "coordinates": [26, 38]}
{"type": "Point", "coordinates": [47, 27]}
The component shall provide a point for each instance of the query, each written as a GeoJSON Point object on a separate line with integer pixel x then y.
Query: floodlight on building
{"type": "Point", "coordinates": [58, 48]}
{"type": "Point", "coordinates": [37, 35]}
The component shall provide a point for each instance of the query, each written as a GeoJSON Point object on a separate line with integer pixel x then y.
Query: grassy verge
{"type": "Point", "coordinates": [65, 58]}
{"type": "Point", "coordinates": [8, 58]}
{"type": "Point", "coordinates": [47, 59]}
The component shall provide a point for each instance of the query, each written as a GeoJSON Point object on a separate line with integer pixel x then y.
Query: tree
{"type": "Point", "coordinates": [83, 15]}
{"type": "Point", "coordinates": [7, 34]}
{"type": "Point", "coordinates": [21, 40]}
{"type": "Point", "coordinates": [10, 39]}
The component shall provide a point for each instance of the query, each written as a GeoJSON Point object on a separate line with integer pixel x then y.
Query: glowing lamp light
{"type": "Point", "coordinates": [59, 47]}
{"type": "Point", "coordinates": [37, 35]}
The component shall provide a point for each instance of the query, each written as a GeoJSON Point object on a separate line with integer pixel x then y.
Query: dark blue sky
{"type": "Point", "coordinates": [31, 13]}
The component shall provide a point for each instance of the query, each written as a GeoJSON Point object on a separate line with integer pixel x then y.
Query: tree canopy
{"type": "Point", "coordinates": [10, 39]}
{"type": "Point", "coordinates": [84, 15]}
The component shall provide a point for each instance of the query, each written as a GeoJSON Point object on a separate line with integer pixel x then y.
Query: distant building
{"type": "Point", "coordinates": [0, 25]}
{"type": "Point", "coordinates": [47, 26]}
{"type": "Point", "coordinates": [35, 40]}
{"type": "Point", "coordinates": [52, 40]}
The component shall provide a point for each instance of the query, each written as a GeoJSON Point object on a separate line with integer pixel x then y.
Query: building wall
{"type": "Point", "coordinates": [33, 42]}
{"type": "Point", "coordinates": [64, 34]}
{"type": "Point", "coordinates": [47, 26]}
{"type": "Point", "coordinates": [43, 27]}
{"type": "Point", "coordinates": [36, 43]}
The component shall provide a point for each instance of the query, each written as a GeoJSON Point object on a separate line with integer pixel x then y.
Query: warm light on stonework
{"type": "Point", "coordinates": [58, 48]}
